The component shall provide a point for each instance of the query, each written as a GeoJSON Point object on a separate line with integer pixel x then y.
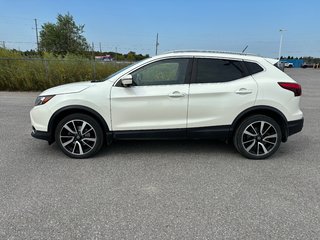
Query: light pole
{"type": "Point", "coordinates": [157, 44]}
{"type": "Point", "coordinates": [281, 38]}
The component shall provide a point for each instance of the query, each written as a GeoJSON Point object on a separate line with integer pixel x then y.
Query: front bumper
{"type": "Point", "coordinates": [40, 116]}
{"type": "Point", "coordinates": [41, 135]}
{"type": "Point", "coordinates": [295, 126]}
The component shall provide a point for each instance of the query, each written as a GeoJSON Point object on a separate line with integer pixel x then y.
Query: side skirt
{"type": "Point", "coordinates": [217, 132]}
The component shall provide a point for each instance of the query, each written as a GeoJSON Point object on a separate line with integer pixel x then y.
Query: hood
{"type": "Point", "coordinates": [67, 88]}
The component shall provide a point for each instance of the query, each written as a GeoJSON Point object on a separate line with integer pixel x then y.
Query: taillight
{"type": "Point", "coordinates": [294, 87]}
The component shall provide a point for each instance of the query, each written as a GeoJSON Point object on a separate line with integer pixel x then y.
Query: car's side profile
{"type": "Point", "coordinates": [239, 98]}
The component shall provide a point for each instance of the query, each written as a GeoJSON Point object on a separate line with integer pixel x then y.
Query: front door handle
{"type": "Point", "coordinates": [243, 91]}
{"type": "Point", "coordinates": [176, 94]}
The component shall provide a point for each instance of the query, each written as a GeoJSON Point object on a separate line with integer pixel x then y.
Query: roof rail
{"type": "Point", "coordinates": [212, 51]}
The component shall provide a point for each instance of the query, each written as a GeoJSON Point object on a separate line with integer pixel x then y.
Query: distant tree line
{"type": "Point", "coordinates": [311, 60]}
{"type": "Point", "coordinates": [130, 56]}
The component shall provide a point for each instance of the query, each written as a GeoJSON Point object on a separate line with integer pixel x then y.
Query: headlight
{"type": "Point", "coordinates": [42, 100]}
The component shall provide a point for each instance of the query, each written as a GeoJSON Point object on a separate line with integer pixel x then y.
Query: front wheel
{"type": "Point", "coordinates": [79, 136]}
{"type": "Point", "coordinates": [257, 137]}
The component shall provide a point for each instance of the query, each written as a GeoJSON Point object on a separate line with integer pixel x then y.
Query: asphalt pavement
{"type": "Point", "coordinates": [159, 189]}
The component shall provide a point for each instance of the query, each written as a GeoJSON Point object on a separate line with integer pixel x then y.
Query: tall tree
{"type": "Point", "coordinates": [63, 37]}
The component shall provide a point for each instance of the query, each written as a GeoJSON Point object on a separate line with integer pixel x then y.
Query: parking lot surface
{"type": "Point", "coordinates": [159, 189]}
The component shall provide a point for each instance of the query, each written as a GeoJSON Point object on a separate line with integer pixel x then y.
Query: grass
{"type": "Point", "coordinates": [19, 73]}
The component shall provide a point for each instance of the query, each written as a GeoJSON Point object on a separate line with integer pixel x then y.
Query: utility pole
{"type": "Point", "coordinates": [92, 50]}
{"type": "Point", "coordinates": [36, 24]}
{"type": "Point", "coordinates": [157, 44]}
{"type": "Point", "coordinates": [100, 47]}
{"type": "Point", "coordinates": [93, 62]}
{"type": "Point", "coordinates": [116, 54]}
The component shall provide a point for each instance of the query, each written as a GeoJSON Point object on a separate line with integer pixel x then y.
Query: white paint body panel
{"type": "Point", "coordinates": [215, 104]}
{"type": "Point", "coordinates": [95, 97]}
{"type": "Point", "coordinates": [149, 107]}
{"type": "Point", "coordinates": [67, 88]}
{"type": "Point", "coordinates": [271, 94]}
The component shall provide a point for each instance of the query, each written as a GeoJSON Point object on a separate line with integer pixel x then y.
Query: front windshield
{"type": "Point", "coordinates": [122, 69]}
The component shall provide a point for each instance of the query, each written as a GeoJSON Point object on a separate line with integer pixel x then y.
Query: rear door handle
{"type": "Point", "coordinates": [176, 94]}
{"type": "Point", "coordinates": [243, 91]}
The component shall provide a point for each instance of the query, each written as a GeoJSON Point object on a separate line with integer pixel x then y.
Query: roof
{"type": "Point", "coordinates": [211, 53]}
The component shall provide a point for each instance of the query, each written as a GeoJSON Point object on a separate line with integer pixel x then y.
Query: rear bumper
{"type": "Point", "coordinates": [295, 126]}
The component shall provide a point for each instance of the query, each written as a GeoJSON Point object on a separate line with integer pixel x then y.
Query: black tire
{"type": "Point", "coordinates": [257, 137]}
{"type": "Point", "coordinates": [79, 136]}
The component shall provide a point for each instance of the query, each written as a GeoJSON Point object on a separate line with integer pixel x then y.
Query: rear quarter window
{"type": "Point", "coordinates": [253, 68]}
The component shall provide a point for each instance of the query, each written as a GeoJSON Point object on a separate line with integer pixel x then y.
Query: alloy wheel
{"type": "Point", "coordinates": [78, 137]}
{"type": "Point", "coordinates": [259, 138]}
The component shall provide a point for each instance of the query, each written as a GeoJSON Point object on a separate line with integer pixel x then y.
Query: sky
{"type": "Point", "coordinates": [228, 25]}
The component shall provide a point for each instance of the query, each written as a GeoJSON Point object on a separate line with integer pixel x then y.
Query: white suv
{"type": "Point", "coordinates": [233, 97]}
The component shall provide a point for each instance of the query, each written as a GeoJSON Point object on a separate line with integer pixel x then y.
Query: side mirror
{"type": "Point", "coordinates": [126, 80]}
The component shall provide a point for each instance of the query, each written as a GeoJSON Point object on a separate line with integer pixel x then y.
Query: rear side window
{"type": "Point", "coordinates": [218, 70]}
{"type": "Point", "coordinates": [253, 68]}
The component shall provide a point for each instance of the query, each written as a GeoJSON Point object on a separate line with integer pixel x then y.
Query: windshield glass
{"type": "Point", "coordinates": [122, 69]}
{"type": "Point", "coordinates": [118, 72]}
{"type": "Point", "coordinates": [112, 75]}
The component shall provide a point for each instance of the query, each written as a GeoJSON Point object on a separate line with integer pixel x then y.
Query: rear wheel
{"type": "Point", "coordinates": [79, 136]}
{"type": "Point", "coordinates": [257, 137]}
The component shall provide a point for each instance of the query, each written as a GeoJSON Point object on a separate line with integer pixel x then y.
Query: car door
{"type": "Point", "coordinates": [156, 100]}
{"type": "Point", "coordinates": [220, 89]}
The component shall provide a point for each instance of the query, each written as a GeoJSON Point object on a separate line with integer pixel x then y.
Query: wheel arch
{"type": "Point", "coordinates": [272, 112]}
{"type": "Point", "coordinates": [65, 111]}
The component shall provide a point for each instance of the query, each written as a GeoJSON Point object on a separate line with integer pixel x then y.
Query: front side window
{"type": "Point", "coordinates": [218, 70]}
{"type": "Point", "coordinates": [165, 72]}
